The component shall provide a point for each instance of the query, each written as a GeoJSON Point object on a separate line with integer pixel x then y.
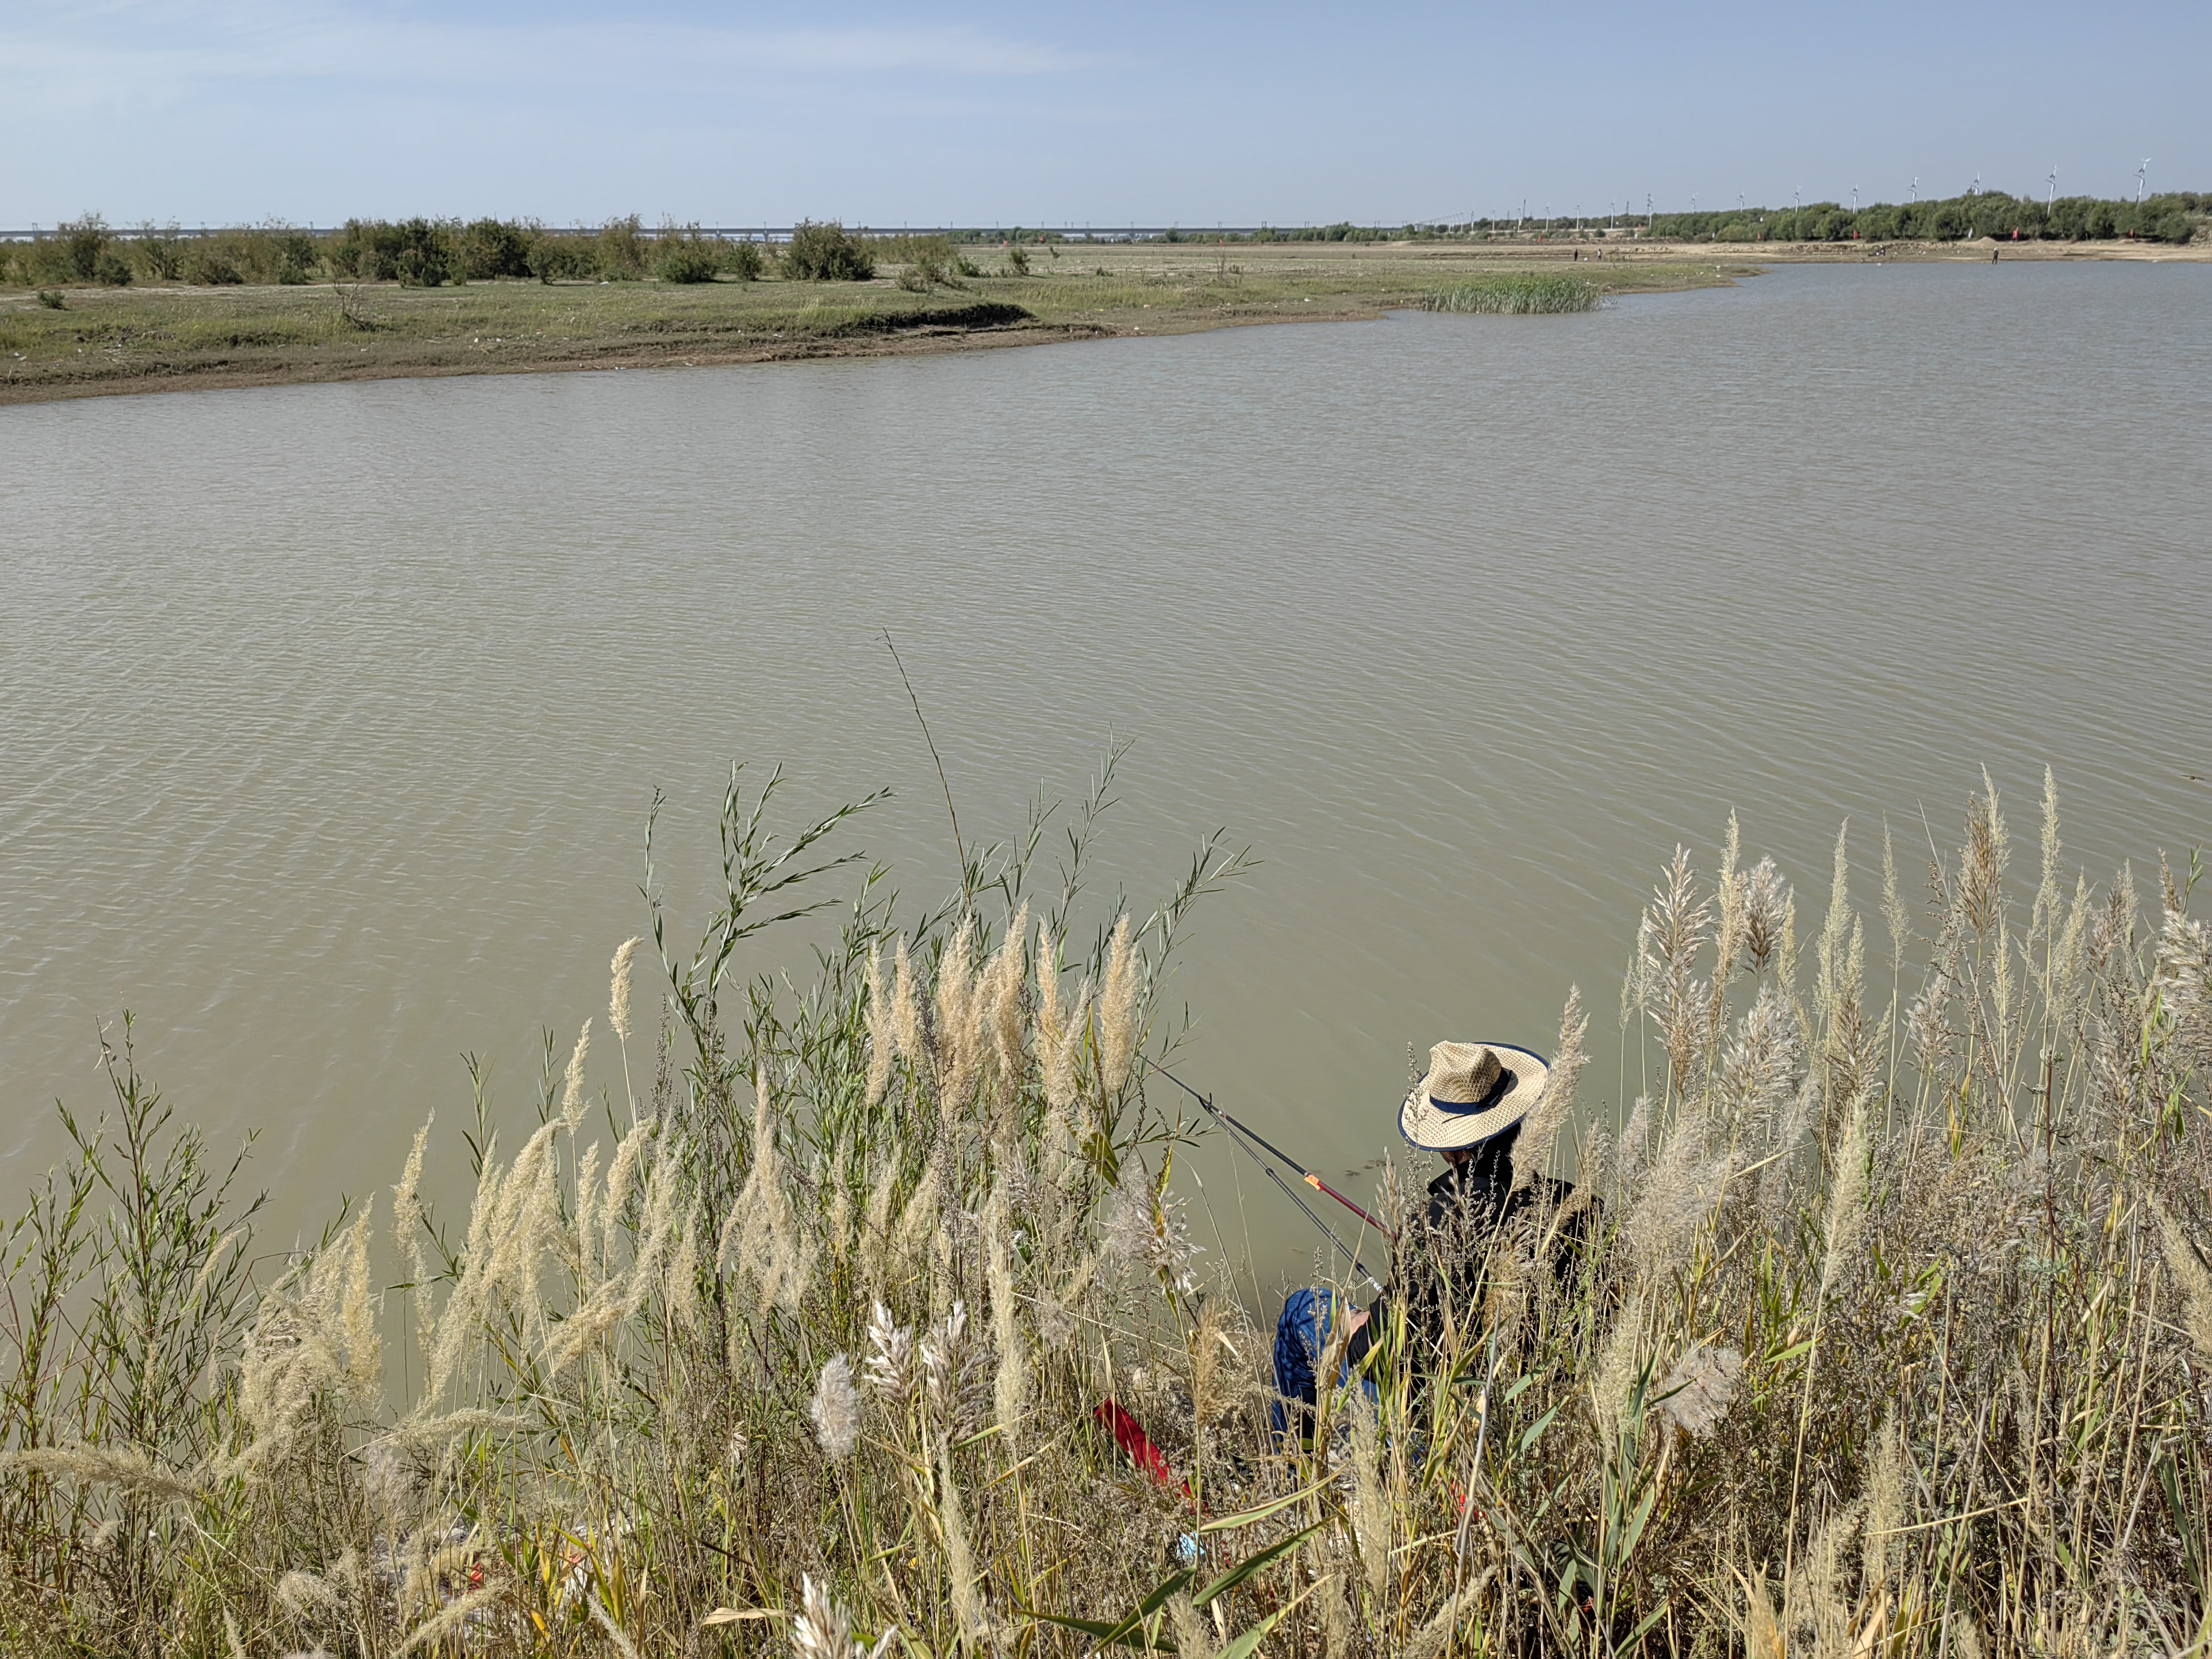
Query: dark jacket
{"type": "Point", "coordinates": [1445, 1253]}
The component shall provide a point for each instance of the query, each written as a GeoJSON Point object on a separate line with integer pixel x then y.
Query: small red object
{"type": "Point", "coordinates": [1129, 1435]}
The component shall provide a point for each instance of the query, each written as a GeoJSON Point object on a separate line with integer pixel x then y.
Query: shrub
{"type": "Point", "coordinates": [824, 252]}
{"type": "Point", "coordinates": [211, 267]}
{"type": "Point", "coordinates": [562, 259]}
{"type": "Point", "coordinates": [51, 301]}
{"type": "Point", "coordinates": [745, 262]}
{"type": "Point", "coordinates": [683, 255]}
{"type": "Point", "coordinates": [1017, 260]}
{"type": "Point", "coordinates": [293, 253]}
{"type": "Point", "coordinates": [622, 249]}
{"type": "Point", "coordinates": [112, 269]}
{"type": "Point", "coordinates": [160, 254]}
{"type": "Point", "coordinates": [925, 262]}
{"type": "Point", "coordinates": [425, 257]}
{"type": "Point", "coordinates": [82, 240]}
{"type": "Point", "coordinates": [492, 248]}
{"type": "Point", "coordinates": [417, 252]}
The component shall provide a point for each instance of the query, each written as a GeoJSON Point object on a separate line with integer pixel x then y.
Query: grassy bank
{"type": "Point", "coordinates": [781, 1320]}
{"type": "Point", "coordinates": [156, 336]}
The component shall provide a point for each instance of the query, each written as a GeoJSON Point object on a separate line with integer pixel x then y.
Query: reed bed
{"type": "Point", "coordinates": [1518, 294]}
{"type": "Point", "coordinates": [1880, 1325]}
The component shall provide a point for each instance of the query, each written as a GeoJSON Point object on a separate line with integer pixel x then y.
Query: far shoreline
{"type": "Point", "coordinates": [105, 341]}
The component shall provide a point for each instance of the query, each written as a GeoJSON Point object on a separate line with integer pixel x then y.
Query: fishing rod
{"type": "Point", "coordinates": [1238, 1133]}
{"type": "Point", "coordinates": [1253, 1136]}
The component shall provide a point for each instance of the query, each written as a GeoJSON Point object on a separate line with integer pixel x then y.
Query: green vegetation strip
{"type": "Point", "coordinates": [339, 310]}
{"type": "Point", "coordinates": [1518, 294]}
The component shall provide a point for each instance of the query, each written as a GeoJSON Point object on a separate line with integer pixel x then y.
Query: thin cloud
{"type": "Point", "coordinates": [166, 52]}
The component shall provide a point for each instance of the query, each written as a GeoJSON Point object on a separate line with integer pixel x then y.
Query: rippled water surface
{"type": "Point", "coordinates": [329, 715]}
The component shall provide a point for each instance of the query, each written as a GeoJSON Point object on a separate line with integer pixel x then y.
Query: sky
{"type": "Point", "coordinates": [973, 113]}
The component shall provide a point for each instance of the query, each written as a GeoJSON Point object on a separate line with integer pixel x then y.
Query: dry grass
{"type": "Point", "coordinates": [1887, 1335]}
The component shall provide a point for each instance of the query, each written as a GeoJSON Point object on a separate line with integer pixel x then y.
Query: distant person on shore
{"type": "Point", "coordinates": [1468, 1108]}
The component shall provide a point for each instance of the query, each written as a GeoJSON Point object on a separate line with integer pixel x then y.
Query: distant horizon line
{"type": "Point", "coordinates": [1090, 231]}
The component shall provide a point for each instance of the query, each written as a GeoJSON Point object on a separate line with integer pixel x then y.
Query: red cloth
{"type": "Point", "coordinates": [1129, 1435]}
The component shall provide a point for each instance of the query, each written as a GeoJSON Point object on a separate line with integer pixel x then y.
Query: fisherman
{"type": "Point", "coordinates": [1469, 1108]}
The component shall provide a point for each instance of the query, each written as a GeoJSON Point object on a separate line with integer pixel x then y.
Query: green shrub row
{"type": "Point", "coordinates": [423, 253]}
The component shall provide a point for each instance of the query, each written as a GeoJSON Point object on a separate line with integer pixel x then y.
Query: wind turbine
{"type": "Point", "coordinates": [1855, 201]}
{"type": "Point", "coordinates": [1975, 189]}
{"type": "Point", "coordinates": [2142, 176]}
{"type": "Point", "coordinates": [2051, 194]}
{"type": "Point", "coordinates": [1915, 197]}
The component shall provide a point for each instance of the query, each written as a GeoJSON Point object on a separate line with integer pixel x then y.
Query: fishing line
{"type": "Point", "coordinates": [1238, 1135]}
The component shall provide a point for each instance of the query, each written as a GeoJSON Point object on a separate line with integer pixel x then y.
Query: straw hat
{"type": "Point", "coordinates": [1472, 1092]}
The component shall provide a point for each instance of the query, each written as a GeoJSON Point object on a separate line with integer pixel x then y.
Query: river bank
{"type": "Point", "coordinates": [102, 341]}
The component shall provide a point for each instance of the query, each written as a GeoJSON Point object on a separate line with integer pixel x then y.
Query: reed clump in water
{"type": "Point", "coordinates": [1883, 1327]}
{"type": "Point", "coordinates": [1516, 295]}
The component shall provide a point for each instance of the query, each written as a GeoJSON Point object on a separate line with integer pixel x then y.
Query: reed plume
{"type": "Point", "coordinates": [835, 1410]}
{"type": "Point", "coordinates": [882, 1028]}
{"type": "Point", "coordinates": [1555, 1106]}
{"type": "Point", "coordinates": [1118, 1037]}
{"type": "Point", "coordinates": [618, 988]}
{"type": "Point", "coordinates": [572, 1085]}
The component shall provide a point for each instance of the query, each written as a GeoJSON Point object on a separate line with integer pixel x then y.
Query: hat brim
{"type": "Point", "coordinates": [1434, 1129]}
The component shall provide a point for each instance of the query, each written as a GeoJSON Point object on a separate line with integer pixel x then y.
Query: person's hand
{"type": "Point", "coordinates": [1358, 1321]}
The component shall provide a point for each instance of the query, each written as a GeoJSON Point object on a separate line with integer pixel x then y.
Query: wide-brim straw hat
{"type": "Point", "coordinates": [1472, 1092]}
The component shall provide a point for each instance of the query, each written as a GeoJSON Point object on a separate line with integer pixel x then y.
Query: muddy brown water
{"type": "Point", "coordinates": [329, 715]}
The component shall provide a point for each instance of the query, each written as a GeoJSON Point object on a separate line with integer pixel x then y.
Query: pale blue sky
{"type": "Point", "coordinates": [970, 112]}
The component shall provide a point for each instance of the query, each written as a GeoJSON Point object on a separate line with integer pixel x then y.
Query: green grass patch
{"type": "Point", "coordinates": [1516, 293]}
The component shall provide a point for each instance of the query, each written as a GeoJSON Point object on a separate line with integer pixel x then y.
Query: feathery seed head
{"type": "Point", "coordinates": [1061, 1088]}
{"type": "Point", "coordinates": [906, 1009]}
{"type": "Point", "coordinates": [1118, 1036]}
{"type": "Point", "coordinates": [822, 1630]}
{"type": "Point", "coordinates": [1756, 1074]}
{"type": "Point", "coordinates": [1765, 896]}
{"type": "Point", "coordinates": [890, 1356]}
{"type": "Point", "coordinates": [954, 1370]}
{"type": "Point", "coordinates": [835, 1410]}
{"type": "Point", "coordinates": [1000, 1010]}
{"type": "Point", "coordinates": [572, 1088]}
{"type": "Point", "coordinates": [2186, 1263]}
{"type": "Point", "coordinates": [957, 990]}
{"type": "Point", "coordinates": [1144, 1227]}
{"type": "Point", "coordinates": [882, 1028]}
{"type": "Point", "coordinates": [1556, 1105]}
{"type": "Point", "coordinates": [618, 990]}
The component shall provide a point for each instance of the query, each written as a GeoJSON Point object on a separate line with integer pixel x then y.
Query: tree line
{"type": "Point", "coordinates": [430, 253]}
